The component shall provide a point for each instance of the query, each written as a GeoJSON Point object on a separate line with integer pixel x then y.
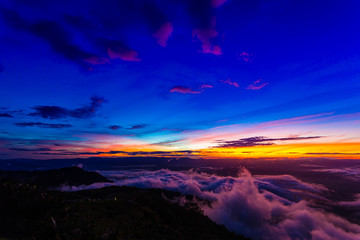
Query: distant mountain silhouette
{"type": "Point", "coordinates": [72, 176]}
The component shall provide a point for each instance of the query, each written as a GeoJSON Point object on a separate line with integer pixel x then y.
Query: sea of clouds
{"type": "Point", "coordinates": [260, 207]}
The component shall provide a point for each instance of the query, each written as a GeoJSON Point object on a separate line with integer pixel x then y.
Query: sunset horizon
{"type": "Point", "coordinates": [241, 118]}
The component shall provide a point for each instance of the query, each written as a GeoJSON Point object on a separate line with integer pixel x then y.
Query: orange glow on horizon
{"type": "Point", "coordinates": [334, 150]}
{"type": "Point", "coordinates": [300, 150]}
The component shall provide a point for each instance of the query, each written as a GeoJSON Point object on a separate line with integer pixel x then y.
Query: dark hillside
{"type": "Point", "coordinates": [72, 176]}
{"type": "Point", "coordinates": [32, 212]}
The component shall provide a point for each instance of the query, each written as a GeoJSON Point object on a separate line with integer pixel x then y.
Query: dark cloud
{"type": "Point", "coordinates": [13, 19]}
{"type": "Point", "coordinates": [43, 125]}
{"type": "Point", "coordinates": [136, 153]}
{"type": "Point", "coordinates": [201, 13]}
{"type": "Point", "coordinates": [117, 49]}
{"type": "Point", "coordinates": [171, 153]}
{"type": "Point", "coordinates": [154, 17]}
{"type": "Point", "coordinates": [107, 18]}
{"type": "Point", "coordinates": [257, 141]}
{"type": "Point", "coordinates": [5, 112]}
{"type": "Point", "coordinates": [56, 112]}
{"type": "Point", "coordinates": [137, 126]}
{"type": "Point", "coordinates": [52, 112]}
{"type": "Point", "coordinates": [53, 33]}
{"type": "Point", "coordinates": [157, 22]}
{"type": "Point", "coordinates": [5, 115]}
{"type": "Point", "coordinates": [31, 150]}
{"type": "Point", "coordinates": [109, 21]}
{"type": "Point", "coordinates": [79, 22]}
{"type": "Point", "coordinates": [114, 127]}
{"type": "Point", "coordinates": [59, 40]}
{"type": "Point", "coordinates": [202, 16]}
{"type": "Point", "coordinates": [27, 143]}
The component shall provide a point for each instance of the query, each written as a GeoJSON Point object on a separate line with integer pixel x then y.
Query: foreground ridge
{"type": "Point", "coordinates": [30, 211]}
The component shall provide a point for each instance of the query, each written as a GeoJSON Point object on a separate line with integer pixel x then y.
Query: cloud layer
{"type": "Point", "coordinates": [264, 207]}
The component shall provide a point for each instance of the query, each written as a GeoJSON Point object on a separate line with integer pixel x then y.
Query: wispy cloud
{"type": "Point", "coordinates": [31, 149]}
{"type": "Point", "coordinates": [184, 90]}
{"type": "Point", "coordinates": [167, 143]}
{"type": "Point", "coordinates": [114, 127]}
{"type": "Point", "coordinates": [350, 172]}
{"type": "Point", "coordinates": [245, 56]}
{"type": "Point", "coordinates": [206, 86]}
{"type": "Point", "coordinates": [96, 60]}
{"type": "Point", "coordinates": [139, 126]}
{"type": "Point", "coordinates": [42, 125]}
{"type": "Point", "coordinates": [232, 83]}
{"type": "Point", "coordinates": [257, 85]}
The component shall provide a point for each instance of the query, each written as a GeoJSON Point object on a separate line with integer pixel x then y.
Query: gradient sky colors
{"type": "Point", "coordinates": [203, 78]}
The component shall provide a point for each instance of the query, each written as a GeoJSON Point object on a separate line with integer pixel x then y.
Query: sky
{"type": "Point", "coordinates": [194, 78]}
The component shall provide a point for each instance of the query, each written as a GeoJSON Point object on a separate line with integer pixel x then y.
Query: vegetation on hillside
{"type": "Point", "coordinates": [30, 211]}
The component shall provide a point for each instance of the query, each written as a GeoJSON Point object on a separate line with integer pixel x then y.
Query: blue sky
{"type": "Point", "coordinates": [166, 68]}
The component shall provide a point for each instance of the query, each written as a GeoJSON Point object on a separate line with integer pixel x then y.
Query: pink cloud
{"type": "Point", "coordinates": [217, 3]}
{"type": "Point", "coordinates": [257, 85]}
{"type": "Point", "coordinates": [246, 57]}
{"type": "Point", "coordinates": [96, 60]}
{"type": "Point", "coordinates": [206, 86]}
{"type": "Point", "coordinates": [184, 90]}
{"type": "Point", "coordinates": [204, 36]}
{"type": "Point", "coordinates": [163, 33]}
{"type": "Point", "coordinates": [123, 54]}
{"type": "Point", "coordinates": [228, 81]}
